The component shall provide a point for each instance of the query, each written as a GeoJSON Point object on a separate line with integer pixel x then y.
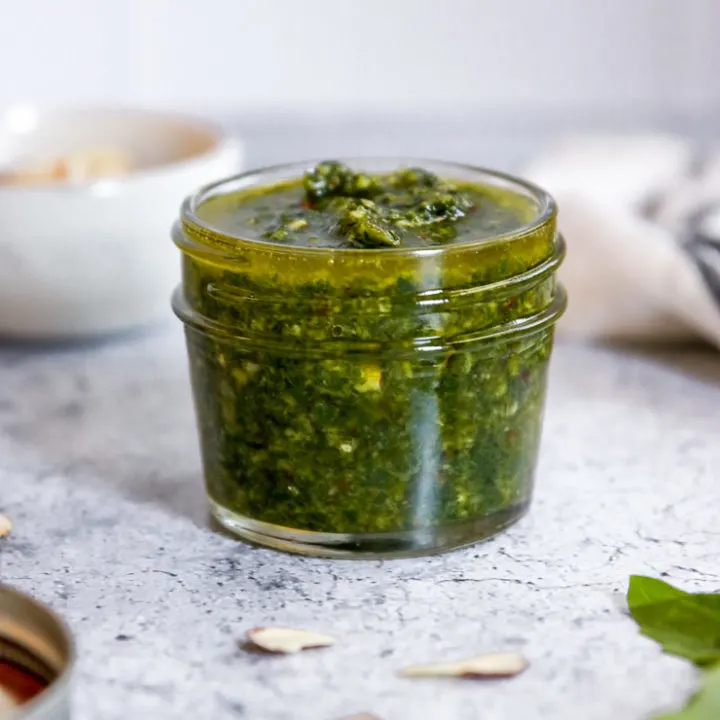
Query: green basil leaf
{"type": "Point", "coordinates": [685, 624]}
{"type": "Point", "coordinates": [647, 591]}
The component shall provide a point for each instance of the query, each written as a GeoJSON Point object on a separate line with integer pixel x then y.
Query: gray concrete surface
{"type": "Point", "coordinates": [99, 470]}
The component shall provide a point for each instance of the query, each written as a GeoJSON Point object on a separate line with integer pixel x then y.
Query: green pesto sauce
{"type": "Point", "coordinates": [337, 402]}
{"type": "Point", "coordinates": [408, 208]}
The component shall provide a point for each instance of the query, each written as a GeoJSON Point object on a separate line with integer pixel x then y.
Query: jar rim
{"type": "Point", "coordinates": [232, 244]}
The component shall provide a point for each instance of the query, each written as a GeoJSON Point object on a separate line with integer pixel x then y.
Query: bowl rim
{"type": "Point", "coordinates": [223, 141]}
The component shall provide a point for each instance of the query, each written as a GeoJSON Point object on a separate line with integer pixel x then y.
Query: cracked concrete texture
{"type": "Point", "coordinates": [99, 471]}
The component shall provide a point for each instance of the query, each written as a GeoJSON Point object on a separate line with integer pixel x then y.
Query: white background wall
{"type": "Point", "coordinates": [649, 56]}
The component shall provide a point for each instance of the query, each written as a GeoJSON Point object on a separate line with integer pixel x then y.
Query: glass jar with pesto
{"type": "Point", "coordinates": [368, 345]}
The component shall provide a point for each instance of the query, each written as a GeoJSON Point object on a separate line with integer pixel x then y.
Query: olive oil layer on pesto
{"type": "Point", "coordinates": [334, 207]}
{"type": "Point", "coordinates": [354, 408]}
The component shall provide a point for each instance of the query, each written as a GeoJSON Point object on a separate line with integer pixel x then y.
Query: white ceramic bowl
{"type": "Point", "coordinates": [96, 257]}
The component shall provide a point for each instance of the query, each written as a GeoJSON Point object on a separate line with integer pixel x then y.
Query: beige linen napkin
{"type": "Point", "coordinates": [641, 217]}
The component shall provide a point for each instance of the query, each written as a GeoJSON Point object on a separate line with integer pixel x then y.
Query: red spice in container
{"type": "Point", "coordinates": [17, 685]}
{"type": "Point", "coordinates": [36, 658]}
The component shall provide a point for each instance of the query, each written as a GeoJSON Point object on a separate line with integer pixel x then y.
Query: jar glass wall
{"type": "Point", "coordinates": [369, 401]}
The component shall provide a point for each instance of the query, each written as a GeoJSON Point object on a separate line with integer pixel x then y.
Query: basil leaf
{"type": "Point", "coordinates": [647, 591]}
{"type": "Point", "coordinates": [705, 704]}
{"type": "Point", "coordinates": [685, 624]}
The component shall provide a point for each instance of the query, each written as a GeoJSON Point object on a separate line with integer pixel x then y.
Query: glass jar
{"type": "Point", "coordinates": [355, 402]}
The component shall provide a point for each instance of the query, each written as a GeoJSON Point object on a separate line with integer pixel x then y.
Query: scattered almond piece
{"type": "Point", "coordinates": [287, 640]}
{"type": "Point", "coordinates": [492, 665]}
{"type": "Point", "coordinates": [99, 162]}
{"type": "Point", "coordinates": [75, 167]}
{"type": "Point", "coordinates": [5, 526]}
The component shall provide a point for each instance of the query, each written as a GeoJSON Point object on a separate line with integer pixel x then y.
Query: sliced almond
{"type": "Point", "coordinates": [287, 640]}
{"type": "Point", "coordinates": [93, 163]}
{"type": "Point", "coordinates": [492, 665]}
{"type": "Point", "coordinates": [76, 166]}
{"type": "Point", "coordinates": [5, 526]}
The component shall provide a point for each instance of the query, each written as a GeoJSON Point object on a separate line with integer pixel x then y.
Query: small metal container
{"type": "Point", "coordinates": [37, 644]}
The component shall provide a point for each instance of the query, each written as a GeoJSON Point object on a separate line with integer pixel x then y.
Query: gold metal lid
{"type": "Point", "coordinates": [34, 640]}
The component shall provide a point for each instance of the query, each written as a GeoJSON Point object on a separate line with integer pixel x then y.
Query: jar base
{"type": "Point", "coordinates": [403, 544]}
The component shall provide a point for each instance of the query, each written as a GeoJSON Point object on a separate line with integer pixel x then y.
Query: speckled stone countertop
{"type": "Point", "coordinates": [99, 471]}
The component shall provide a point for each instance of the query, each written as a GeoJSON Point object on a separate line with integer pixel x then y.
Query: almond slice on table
{"type": "Point", "coordinates": [5, 526]}
{"type": "Point", "coordinates": [287, 640]}
{"type": "Point", "coordinates": [491, 665]}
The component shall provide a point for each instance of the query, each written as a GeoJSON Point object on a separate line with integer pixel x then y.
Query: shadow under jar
{"type": "Point", "coordinates": [355, 399]}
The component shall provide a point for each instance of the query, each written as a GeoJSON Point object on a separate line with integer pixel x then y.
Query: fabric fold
{"type": "Point", "coordinates": [641, 217]}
